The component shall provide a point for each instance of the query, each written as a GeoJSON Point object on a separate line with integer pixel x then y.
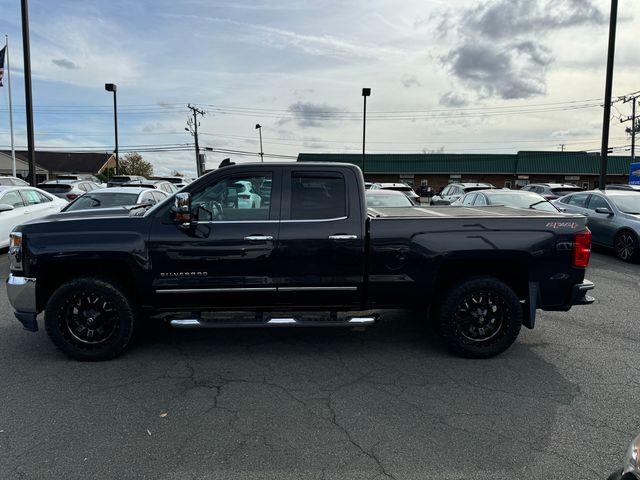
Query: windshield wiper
{"type": "Point", "coordinates": [537, 203]}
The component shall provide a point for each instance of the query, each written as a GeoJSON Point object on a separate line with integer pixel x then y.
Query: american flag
{"type": "Point", "coordinates": [4, 49]}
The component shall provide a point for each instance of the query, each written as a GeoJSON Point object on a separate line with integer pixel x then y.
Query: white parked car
{"type": "Point", "coordinates": [247, 198]}
{"type": "Point", "coordinates": [21, 204]}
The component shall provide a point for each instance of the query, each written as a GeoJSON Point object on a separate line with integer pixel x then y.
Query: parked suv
{"type": "Point", "coordinates": [454, 191]}
{"type": "Point", "coordinates": [119, 180]}
{"type": "Point", "coordinates": [551, 191]}
{"type": "Point", "coordinates": [163, 185]}
{"type": "Point", "coordinates": [68, 189]}
{"type": "Point", "coordinates": [399, 187]}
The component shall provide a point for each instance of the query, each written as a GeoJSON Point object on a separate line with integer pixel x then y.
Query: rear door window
{"type": "Point", "coordinates": [480, 200]}
{"type": "Point", "coordinates": [318, 196]}
{"type": "Point", "coordinates": [469, 199]}
{"type": "Point", "coordinates": [31, 197]}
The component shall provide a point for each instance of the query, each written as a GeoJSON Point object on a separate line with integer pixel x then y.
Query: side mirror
{"type": "Point", "coordinates": [181, 210]}
{"type": "Point", "coordinates": [5, 207]}
{"type": "Point", "coordinates": [604, 210]}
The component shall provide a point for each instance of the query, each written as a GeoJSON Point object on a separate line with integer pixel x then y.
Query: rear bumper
{"type": "Point", "coordinates": [579, 293]}
{"type": "Point", "coordinates": [22, 296]}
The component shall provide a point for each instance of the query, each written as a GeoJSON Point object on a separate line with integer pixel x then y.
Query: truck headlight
{"type": "Point", "coordinates": [632, 458]}
{"type": "Point", "coordinates": [15, 251]}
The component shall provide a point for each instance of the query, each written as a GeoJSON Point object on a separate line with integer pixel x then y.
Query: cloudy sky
{"type": "Point", "coordinates": [493, 76]}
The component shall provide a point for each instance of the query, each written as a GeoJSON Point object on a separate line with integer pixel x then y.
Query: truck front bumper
{"type": "Point", "coordinates": [22, 296]}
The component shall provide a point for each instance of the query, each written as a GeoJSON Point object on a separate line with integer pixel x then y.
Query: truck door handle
{"type": "Point", "coordinates": [343, 237]}
{"type": "Point", "coordinates": [258, 238]}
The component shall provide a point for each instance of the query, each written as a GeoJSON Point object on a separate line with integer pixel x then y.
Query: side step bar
{"type": "Point", "coordinates": [273, 322]}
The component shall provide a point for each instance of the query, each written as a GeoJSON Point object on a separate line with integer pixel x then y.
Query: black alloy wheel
{"type": "Point", "coordinates": [480, 317]}
{"type": "Point", "coordinates": [90, 318]}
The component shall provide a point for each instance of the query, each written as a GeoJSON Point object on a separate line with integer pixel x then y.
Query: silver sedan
{"type": "Point", "coordinates": [613, 216]}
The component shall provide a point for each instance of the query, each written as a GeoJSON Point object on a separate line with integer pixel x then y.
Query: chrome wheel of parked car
{"type": "Point", "coordinates": [626, 246]}
{"type": "Point", "coordinates": [480, 318]}
{"type": "Point", "coordinates": [90, 319]}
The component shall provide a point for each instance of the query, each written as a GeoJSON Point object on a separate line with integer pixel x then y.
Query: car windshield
{"type": "Point", "coordinates": [387, 199]}
{"type": "Point", "coordinates": [473, 189]}
{"type": "Point", "coordinates": [627, 203]}
{"type": "Point", "coordinates": [102, 200]}
{"type": "Point", "coordinates": [521, 200]}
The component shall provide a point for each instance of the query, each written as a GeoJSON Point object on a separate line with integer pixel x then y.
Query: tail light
{"type": "Point", "coordinates": [582, 248]}
{"type": "Point", "coordinates": [72, 196]}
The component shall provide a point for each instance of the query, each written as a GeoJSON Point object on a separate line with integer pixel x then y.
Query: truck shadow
{"type": "Point", "coordinates": [392, 391]}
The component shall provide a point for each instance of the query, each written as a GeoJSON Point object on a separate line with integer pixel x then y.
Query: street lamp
{"type": "Point", "coordinates": [259, 128]}
{"type": "Point", "coordinates": [365, 93]}
{"type": "Point", "coordinates": [112, 87]}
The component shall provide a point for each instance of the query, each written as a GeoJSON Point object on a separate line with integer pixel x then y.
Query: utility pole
{"type": "Point", "coordinates": [26, 53]}
{"type": "Point", "coordinates": [561, 145]}
{"type": "Point", "coordinates": [606, 116]}
{"type": "Point", "coordinates": [192, 127]}
{"type": "Point", "coordinates": [635, 125]}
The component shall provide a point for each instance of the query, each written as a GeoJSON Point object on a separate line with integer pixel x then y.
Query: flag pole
{"type": "Point", "coordinates": [13, 150]}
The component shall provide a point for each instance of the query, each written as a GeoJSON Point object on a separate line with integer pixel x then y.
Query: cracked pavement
{"type": "Point", "coordinates": [387, 403]}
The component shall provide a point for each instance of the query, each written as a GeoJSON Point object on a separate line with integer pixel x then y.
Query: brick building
{"type": "Point", "coordinates": [502, 170]}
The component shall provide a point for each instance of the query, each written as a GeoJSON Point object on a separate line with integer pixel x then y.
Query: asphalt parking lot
{"type": "Point", "coordinates": [326, 404]}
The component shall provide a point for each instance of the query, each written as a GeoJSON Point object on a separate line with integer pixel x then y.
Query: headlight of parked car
{"type": "Point", "coordinates": [15, 251]}
{"type": "Point", "coordinates": [632, 458]}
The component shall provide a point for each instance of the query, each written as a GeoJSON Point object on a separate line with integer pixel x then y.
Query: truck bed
{"type": "Point", "coordinates": [459, 212]}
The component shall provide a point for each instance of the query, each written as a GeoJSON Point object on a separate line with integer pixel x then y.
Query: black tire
{"type": "Point", "coordinates": [485, 330]}
{"type": "Point", "coordinates": [626, 246]}
{"type": "Point", "coordinates": [86, 302]}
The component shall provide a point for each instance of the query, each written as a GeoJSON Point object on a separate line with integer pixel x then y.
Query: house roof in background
{"type": "Point", "coordinates": [69, 162]}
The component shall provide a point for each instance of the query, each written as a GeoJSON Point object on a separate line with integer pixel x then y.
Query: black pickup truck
{"type": "Point", "coordinates": [304, 251]}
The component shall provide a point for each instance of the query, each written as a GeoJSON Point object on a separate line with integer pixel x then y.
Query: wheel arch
{"type": "Point", "coordinates": [53, 274]}
{"type": "Point", "coordinates": [513, 272]}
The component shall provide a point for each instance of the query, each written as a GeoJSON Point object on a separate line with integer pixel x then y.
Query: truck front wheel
{"type": "Point", "coordinates": [90, 319]}
{"type": "Point", "coordinates": [480, 318]}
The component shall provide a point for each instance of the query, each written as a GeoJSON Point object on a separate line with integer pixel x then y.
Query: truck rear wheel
{"type": "Point", "coordinates": [90, 319]}
{"type": "Point", "coordinates": [480, 318]}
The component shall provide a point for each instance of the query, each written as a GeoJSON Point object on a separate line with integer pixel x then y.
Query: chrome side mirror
{"type": "Point", "coordinates": [181, 210]}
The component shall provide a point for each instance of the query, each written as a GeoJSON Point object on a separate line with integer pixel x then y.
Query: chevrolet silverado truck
{"type": "Point", "coordinates": [309, 254]}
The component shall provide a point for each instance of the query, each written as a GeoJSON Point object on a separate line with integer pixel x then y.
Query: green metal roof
{"type": "Point", "coordinates": [448, 163]}
{"type": "Point", "coordinates": [570, 162]}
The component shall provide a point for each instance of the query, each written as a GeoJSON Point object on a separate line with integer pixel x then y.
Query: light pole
{"type": "Point", "coordinates": [259, 128]}
{"type": "Point", "coordinates": [112, 87]}
{"type": "Point", "coordinates": [365, 93]}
